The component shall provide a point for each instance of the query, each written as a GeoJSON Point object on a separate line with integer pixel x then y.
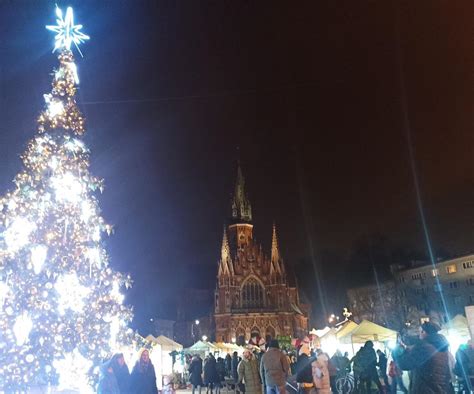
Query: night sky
{"type": "Point", "coordinates": [306, 94]}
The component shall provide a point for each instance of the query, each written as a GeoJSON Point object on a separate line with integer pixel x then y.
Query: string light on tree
{"type": "Point", "coordinates": [61, 304]}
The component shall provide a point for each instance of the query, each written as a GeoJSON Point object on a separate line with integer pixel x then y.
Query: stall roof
{"type": "Point", "coordinates": [346, 329]}
{"type": "Point", "coordinates": [368, 331]}
{"type": "Point", "coordinates": [201, 346]}
{"type": "Point", "coordinates": [168, 344]}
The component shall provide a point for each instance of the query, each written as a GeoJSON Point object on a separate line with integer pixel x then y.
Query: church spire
{"type": "Point", "coordinates": [225, 266]}
{"type": "Point", "coordinates": [276, 259]}
{"type": "Point", "coordinates": [275, 251]}
{"type": "Point", "coordinates": [225, 250]}
{"type": "Point", "coordinates": [241, 209]}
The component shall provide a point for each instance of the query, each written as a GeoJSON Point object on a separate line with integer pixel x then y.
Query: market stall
{"type": "Point", "coordinates": [368, 331]}
{"type": "Point", "coordinates": [228, 348]}
{"type": "Point", "coordinates": [202, 348]}
{"type": "Point", "coordinates": [161, 357]}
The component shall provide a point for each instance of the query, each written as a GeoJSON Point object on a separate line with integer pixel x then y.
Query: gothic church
{"type": "Point", "coordinates": [253, 293]}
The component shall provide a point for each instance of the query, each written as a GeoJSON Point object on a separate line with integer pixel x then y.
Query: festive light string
{"type": "Point", "coordinates": [52, 260]}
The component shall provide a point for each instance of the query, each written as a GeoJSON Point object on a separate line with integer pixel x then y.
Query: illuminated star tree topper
{"type": "Point", "coordinates": [67, 31]}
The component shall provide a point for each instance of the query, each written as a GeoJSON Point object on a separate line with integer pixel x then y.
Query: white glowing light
{"type": "Point", "coordinates": [53, 163]}
{"type": "Point", "coordinates": [18, 233]}
{"type": "Point", "coordinates": [75, 145]}
{"type": "Point", "coordinates": [96, 234]}
{"type": "Point", "coordinates": [94, 257]}
{"type": "Point", "coordinates": [12, 205]}
{"type": "Point", "coordinates": [38, 257]}
{"type": "Point", "coordinates": [392, 344]}
{"type": "Point", "coordinates": [4, 290]}
{"type": "Point", "coordinates": [115, 292]}
{"type": "Point", "coordinates": [71, 293]}
{"type": "Point", "coordinates": [67, 187]}
{"type": "Point", "coordinates": [55, 106]}
{"type": "Point", "coordinates": [86, 211]}
{"type": "Point", "coordinates": [67, 31]}
{"type": "Point", "coordinates": [73, 68]}
{"type": "Point", "coordinates": [22, 328]}
{"type": "Point", "coordinates": [114, 331]}
{"type": "Point", "coordinates": [73, 370]}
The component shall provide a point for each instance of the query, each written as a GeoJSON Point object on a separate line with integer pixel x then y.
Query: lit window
{"type": "Point", "coordinates": [451, 269]}
{"type": "Point", "coordinates": [468, 264]}
{"type": "Point", "coordinates": [425, 319]}
{"type": "Point", "coordinates": [434, 272]}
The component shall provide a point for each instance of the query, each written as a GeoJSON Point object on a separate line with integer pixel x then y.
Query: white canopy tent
{"type": "Point", "coordinates": [160, 356]}
{"type": "Point", "coordinates": [202, 348]}
{"type": "Point", "coordinates": [368, 331]}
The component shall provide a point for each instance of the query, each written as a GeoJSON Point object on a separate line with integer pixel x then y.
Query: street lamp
{"type": "Point", "coordinates": [193, 329]}
{"type": "Point", "coordinates": [204, 338]}
{"type": "Point", "coordinates": [234, 340]}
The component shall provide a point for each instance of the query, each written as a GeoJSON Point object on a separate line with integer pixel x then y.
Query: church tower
{"type": "Point", "coordinates": [254, 295]}
{"type": "Point", "coordinates": [241, 227]}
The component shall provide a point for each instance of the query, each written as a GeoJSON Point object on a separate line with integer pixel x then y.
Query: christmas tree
{"type": "Point", "coordinates": [61, 310]}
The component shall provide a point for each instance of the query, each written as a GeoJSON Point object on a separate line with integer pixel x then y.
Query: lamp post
{"type": "Point", "coordinates": [193, 329]}
{"type": "Point", "coordinates": [204, 338]}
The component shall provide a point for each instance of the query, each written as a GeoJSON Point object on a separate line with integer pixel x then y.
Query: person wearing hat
{"type": "Point", "coordinates": [274, 369]}
{"type": "Point", "coordinates": [428, 360]}
{"type": "Point", "coordinates": [249, 375]}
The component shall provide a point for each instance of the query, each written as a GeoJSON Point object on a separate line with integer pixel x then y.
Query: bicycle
{"type": "Point", "coordinates": [345, 384]}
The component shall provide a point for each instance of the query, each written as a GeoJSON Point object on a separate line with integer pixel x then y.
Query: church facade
{"type": "Point", "coordinates": [253, 295]}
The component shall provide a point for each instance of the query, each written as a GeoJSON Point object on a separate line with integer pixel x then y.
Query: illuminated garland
{"type": "Point", "coordinates": [61, 309]}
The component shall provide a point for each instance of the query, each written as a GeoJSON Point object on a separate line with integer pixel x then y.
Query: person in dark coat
{"type": "Point", "coordinates": [211, 377]}
{"type": "Point", "coordinates": [382, 364]}
{"type": "Point", "coordinates": [304, 370]}
{"type": "Point", "coordinates": [110, 373]}
{"type": "Point", "coordinates": [220, 366]}
{"type": "Point", "coordinates": [367, 360]}
{"type": "Point", "coordinates": [195, 372]}
{"type": "Point", "coordinates": [143, 378]}
{"type": "Point", "coordinates": [228, 365]}
{"type": "Point", "coordinates": [234, 364]}
{"type": "Point", "coordinates": [428, 361]}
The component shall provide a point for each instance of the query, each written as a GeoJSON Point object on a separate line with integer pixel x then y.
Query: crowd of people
{"type": "Point", "coordinates": [431, 369]}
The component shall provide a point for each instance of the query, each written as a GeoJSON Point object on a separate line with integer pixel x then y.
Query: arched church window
{"type": "Point", "coordinates": [269, 334]}
{"type": "Point", "coordinates": [252, 294]}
